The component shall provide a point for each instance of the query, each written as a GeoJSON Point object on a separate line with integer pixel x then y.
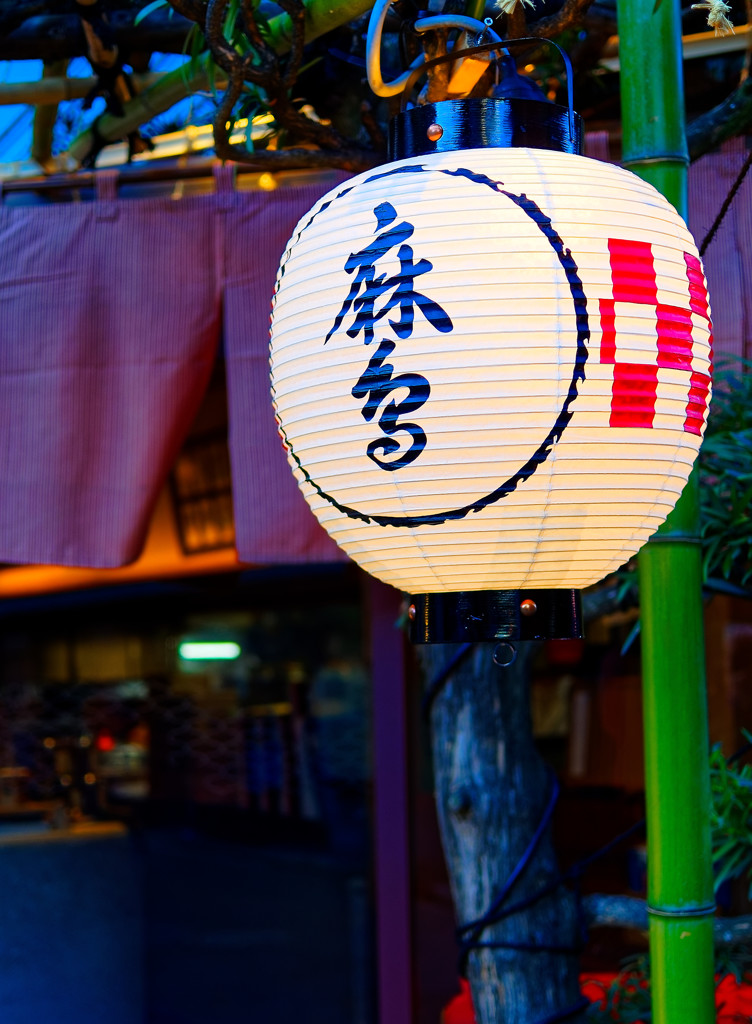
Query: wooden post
{"type": "Point", "coordinates": [391, 809]}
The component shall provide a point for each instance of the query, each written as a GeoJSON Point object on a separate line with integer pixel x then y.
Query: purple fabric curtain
{"type": "Point", "coordinates": [109, 322]}
{"type": "Point", "coordinates": [110, 316]}
{"type": "Point", "coordinates": [728, 259]}
{"type": "Point", "coordinates": [272, 521]}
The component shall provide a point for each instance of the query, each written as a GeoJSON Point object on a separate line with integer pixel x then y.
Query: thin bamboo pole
{"type": "Point", "coordinates": [45, 117]}
{"type": "Point", "coordinates": [50, 91]}
{"type": "Point", "coordinates": [680, 882]}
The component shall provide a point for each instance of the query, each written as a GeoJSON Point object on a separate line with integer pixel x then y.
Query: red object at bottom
{"type": "Point", "coordinates": [460, 1009]}
{"type": "Point", "coordinates": [733, 1001]}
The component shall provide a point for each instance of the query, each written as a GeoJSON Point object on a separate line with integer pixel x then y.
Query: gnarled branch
{"type": "Point", "coordinates": [265, 69]}
{"type": "Point", "coordinates": [730, 118]}
{"type": "Point", "coordinates": [572, 13]}
{"type": "Point", "coordinates": [224, 54]}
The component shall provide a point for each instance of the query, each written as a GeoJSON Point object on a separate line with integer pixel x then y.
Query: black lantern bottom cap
{"type": "Point", "coordinates": [471, 616]}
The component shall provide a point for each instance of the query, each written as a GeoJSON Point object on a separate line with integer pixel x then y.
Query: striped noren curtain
{"type": "Point", "coordinates": [110, 316]}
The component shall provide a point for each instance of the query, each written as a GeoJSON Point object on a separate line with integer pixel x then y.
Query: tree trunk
{"type": "Point", "coordinates": [492, 791]}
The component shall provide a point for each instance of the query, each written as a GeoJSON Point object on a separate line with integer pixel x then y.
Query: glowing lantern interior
{"type": "Point", "coordinates": [491, 367]}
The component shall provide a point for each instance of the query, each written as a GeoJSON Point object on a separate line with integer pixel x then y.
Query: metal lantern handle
{"type": "Point", "coordinates": [411, 76]}
{"type": "Point", "coordinates": [430, 23]}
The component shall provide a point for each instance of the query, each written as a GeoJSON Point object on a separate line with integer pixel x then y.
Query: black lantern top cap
{"type": "Point", "coordinates": [516, 114]}
{"type": "Point", "coordinates": [478, 123]}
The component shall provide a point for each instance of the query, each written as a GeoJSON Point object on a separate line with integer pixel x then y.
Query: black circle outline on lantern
{"type": "Point", "coordinates": [533, 211]}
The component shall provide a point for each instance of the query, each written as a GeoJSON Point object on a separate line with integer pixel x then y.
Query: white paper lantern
{"type": "Point", "coordinates": [491, 367]}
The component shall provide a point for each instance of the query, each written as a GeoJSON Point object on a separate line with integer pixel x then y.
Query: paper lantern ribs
{"type": "Point", "coordinates": [491, 370]}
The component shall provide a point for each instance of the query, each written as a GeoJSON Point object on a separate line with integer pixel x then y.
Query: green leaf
{"type": "Point", "coordinates": [310, 64]}
{"type": "Point", "coordinates": [633, 634]}
{"type": "Point", "coordinates": [230, 19]}
{"type": "Point", "coordinates": [193, 48]}
{"type": "Point", "coordinates": [211, 77]}
{"type": "Point", "coordinates": [149, 9]}
{"type": "Point", "coordinates": [726, 476]}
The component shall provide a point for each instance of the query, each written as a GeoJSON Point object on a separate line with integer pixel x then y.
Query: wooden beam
{"type": "Point", "coordinates": [58, 89]}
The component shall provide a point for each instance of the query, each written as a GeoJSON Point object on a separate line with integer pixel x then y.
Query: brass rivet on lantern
{"type": "Point", "coordinates": [434, 132]}
{"type": "Point", "coordinates": [528, 607]}
{"type": "Point", "coordinates": [411, 613]}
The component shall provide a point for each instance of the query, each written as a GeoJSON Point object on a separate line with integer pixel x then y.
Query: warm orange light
{"type": "Point", "coordinates": [162, 557]}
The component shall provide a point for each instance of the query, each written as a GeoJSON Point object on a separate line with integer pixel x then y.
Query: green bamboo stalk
{"type": "Point", "coordinates": [45, 117]}
{"type": "Point", "coordinates": [475, 9]}
{"type": "Point", "coordinates": [680, 883]}
{"type": "Point", "coordinates": [680, 880]}
{"type": "Point", "coordinates": [321, 16]}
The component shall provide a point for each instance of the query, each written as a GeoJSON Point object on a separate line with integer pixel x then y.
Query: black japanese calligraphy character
{"type": "Point", "coordinates": [376, 384]}
{"type": "Point", "coordinates": [366, 288]}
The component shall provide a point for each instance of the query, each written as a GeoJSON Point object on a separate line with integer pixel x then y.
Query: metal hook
{"type": "Point", "coordinates": [567, 67]}
{"type": "Point", "coordinates": [410, 77]}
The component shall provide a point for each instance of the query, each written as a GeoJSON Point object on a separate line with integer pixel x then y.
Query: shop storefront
{"type": "Point", "coordinates": [190, 763]}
